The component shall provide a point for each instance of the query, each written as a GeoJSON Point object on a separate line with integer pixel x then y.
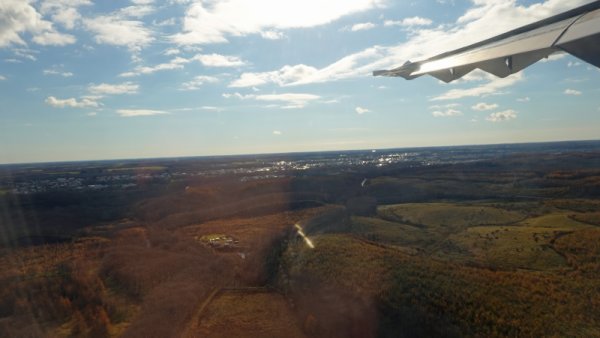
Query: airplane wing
{"type": "Point", "coordinates": [576, 32]}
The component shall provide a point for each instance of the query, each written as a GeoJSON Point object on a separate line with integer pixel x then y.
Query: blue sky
{"type": "Point", "coordinates": [83, 79]}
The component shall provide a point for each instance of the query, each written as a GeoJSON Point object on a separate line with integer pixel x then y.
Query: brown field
{"type": "Point", "coordinates": [248, 314]}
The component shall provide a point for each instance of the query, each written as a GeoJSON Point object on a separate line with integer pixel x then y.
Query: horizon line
{"type": "Point", "coordinates": [290, 152]}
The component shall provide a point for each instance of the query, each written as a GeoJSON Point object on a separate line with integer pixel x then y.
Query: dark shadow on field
{"type": "Point", "coordinates": [329, 311]}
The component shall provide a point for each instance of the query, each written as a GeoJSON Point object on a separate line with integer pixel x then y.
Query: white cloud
{"type": "Point", "coordinates": [491, 88]}
{"type": "Point", "coordinates": [137, 11]}
{"type": "Point", "coordinates": [217, 60]}
{"type": "Point", "coordinates": [92, 113]}
{"type": "Point", "coordinates": [481, 106]}
{"type": "Point", "coordinates": [447, 113]}
{"type": "Point", "coordinates": [284, 76]}
{"type": "Point", "coordinates": [347, 67]}
{"type": "Point", "coordinates": [72, 102]}
{"type": "Point", "coordinates": [118, 31]}
{"type": "Point", "coordinates": [486, 18]}
{"type": "Point", "coordinates": [409, 22]}
{"type": "Point", "coordinates": [361, 110]}
{"type": "Point", "coordinates": [139, 112]}
{"type": "Point", "coordinates": [573, 64]}
{"type": "Point", "coordinates": [214, 22]}
{"type": "Point", "coordinates": [211, 108]}
{"type": "Point", "coordinates": [288, 100]}
{"type": "Point", "coordinates": [207, 108]}
{"type": "Point", "coordinates": [277, 132]}
{"type": "Point", "coordinates": [53, 39]}
{"type": "Point", "coordinates": [365, 26]}
{"type": "Point", "coordinates": [301, 74]}
{"type": "Point", "coordinates": [63, 12]}
{"type": "Point", "coordinates": [2, 78]}
{"type": "Point", "coordinates": [172, 51]}
{"type": "Point", "coordinates": [176, 63]}
{"type": "Point", "coordinates": [254, 79]}
{"type": "Point", "coordinates": [198, 81]}
{"type": "Point", "coordinates": [210, 60]}
{"type": "Point", "coordinates": [57, 72]}
{"type": "Point", "coordinates": [272, 35]}
{"type": "Point", "coordinates": [502, 116]}
{"type": "Point", "coordinates": [524, 99]}
{"type": "Point", "coordinates": [572, 92]}
{"type": "Point", "coordinates": [165, 23]}
{"type": "Point", "coordinates": [444, 106]}
{"type": "Point", "coordinates": [19, 17]}
{"type": "Point", "coordinates": [114, 89]}
{"type": "Point", "coordinates": [237, 96]}
{"type": "Point", "coordinates": [25, 53]}
{"type": "Point", "coordinates": [446, 110]}
{"type": "Point", "coordinates": [67, 17]}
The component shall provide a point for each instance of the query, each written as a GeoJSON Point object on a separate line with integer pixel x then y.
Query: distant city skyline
{"type": "Point", "coordinates": [91, 80]}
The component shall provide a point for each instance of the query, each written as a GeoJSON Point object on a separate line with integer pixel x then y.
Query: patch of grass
{"type": "Point", "coordinates": [384, 231]}
{"type": "Point", "coordinates": [511, 247]}
{"type": "Point", "coordinates": [235, 314]}
{"type": "Point", "coordinates": [582, 249]}
{"type": "Point", "coordinates": [467, 234]}
{"type": "Point", "coordinates": [557, 221]}
{"type": "Point", "coordinates": [579, 205]}
{"type": "Point", "coordinates": [592, 218]}
{"type": "Point", "coordinates": [432, 215]}
{"type": "Point", "coordinates": [341, 259]}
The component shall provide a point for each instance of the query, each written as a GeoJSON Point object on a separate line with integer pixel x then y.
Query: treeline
{"type": "Point", "coordinates": [71, 292]}
{"type": "Point", "coordinates": [57, 216]}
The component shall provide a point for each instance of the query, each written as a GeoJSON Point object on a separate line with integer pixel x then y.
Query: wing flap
{"type": "Point", "coordinates": [578, 41]}
{"type": "Point", "coordinates": [587, 49]}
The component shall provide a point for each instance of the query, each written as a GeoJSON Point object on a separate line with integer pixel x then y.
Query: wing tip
{"type": "Point", "coordinates": [404, 71]}
{"type": "Point", "coordinates": [383, 72]}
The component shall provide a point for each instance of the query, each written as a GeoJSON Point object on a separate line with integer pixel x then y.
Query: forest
{"type": "Point", "coordinates": [505, 244]}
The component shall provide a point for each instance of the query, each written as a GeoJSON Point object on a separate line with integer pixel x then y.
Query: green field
{"type": "Point", "coordinates": [479, 234]}
{"type": "Point", "coordinates": [448, 215]}
{"type": "Point", "coordinates": [474, 269]}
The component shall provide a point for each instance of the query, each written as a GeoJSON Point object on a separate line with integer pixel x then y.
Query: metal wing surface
{"type": "Point", "coordinates": [576, 32]}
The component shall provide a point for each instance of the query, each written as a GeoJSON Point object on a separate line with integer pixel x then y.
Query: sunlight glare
{"type": "Point", "coordinates": [303, 235]}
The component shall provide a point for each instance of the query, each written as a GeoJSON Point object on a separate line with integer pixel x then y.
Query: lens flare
{"type": "Point", "coordinates": [303, 235]}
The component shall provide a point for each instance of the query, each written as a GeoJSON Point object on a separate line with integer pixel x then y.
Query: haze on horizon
{"type": "Point", "coordinates": [86, 80]}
